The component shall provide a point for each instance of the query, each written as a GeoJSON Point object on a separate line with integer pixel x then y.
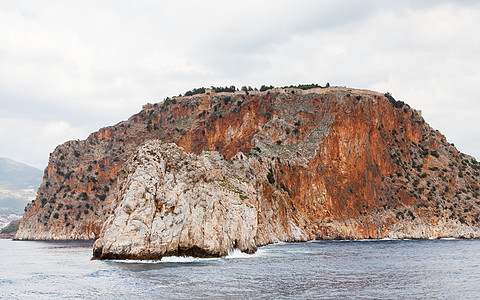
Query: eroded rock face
{"type": "Point", "coordinates": [320, 164]}
{"type": "Point", "coordinates": [170, 202]}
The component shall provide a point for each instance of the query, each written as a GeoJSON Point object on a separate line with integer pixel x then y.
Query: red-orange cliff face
{"type": "Point", "coordinates": [342, 163]}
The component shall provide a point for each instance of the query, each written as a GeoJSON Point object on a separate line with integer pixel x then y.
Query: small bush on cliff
{"type": "Point", "coordinates": [68, 174]}
{"type": "Point", "coordinates": [410, 213]}
{"type": "Point", "coordinates": [55, 215]}
{"type": "Point", "coordinates": [101, 197]}
{"type": "Point", "coordinates": [169, 101]}
{"type": "Point", "coordinates": [395, 103]}
{"type": "Point", "coordinates": [399, 215]}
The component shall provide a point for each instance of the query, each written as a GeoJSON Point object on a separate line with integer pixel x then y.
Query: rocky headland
{"type": "Point", "coordinates": [204, 174]}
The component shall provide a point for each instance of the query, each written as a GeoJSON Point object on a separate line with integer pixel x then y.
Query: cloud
{"type": "Point", "coordinates": [91, 64]}
{"type": "Point", "coordinates": [36, 139]}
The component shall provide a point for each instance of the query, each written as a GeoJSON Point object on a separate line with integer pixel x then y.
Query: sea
{"type": "Point", "coordinates": [365, 269]}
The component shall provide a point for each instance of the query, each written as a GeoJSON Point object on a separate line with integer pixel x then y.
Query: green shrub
{"type": "Point", "coordinates": [195, 91]}
{"type": "Point", "coordinates": [395, 103]}
{"type": "Point", "coordinates": [410, 213]}
{"type": "Point", "coordinates": [169, 101]}
{"type": "Point", "coordinates": [265, 88]}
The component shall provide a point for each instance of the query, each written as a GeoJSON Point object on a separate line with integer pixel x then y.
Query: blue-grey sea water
{"type": "Point", "coordinates": [404, 269]}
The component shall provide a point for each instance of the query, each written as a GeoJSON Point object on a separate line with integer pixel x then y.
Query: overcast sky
{"type": "Point", "coordinates": [68, 68]}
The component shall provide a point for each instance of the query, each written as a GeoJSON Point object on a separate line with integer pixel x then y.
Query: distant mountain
{"type": "Point", "coordinates": [15, 175]}
{"type": "Point", "coordinates": [18, 186]}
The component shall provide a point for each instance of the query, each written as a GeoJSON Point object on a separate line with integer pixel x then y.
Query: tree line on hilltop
{"type": "Point", "coordinates": [232, 88]}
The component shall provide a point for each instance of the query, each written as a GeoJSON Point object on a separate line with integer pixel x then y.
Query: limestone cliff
{"type": "Point", "coordinates": [326, 163]}
{"type": "Point", "coordinates": [172, 202]}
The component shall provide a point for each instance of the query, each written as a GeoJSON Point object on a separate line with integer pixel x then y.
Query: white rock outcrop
{"type": "Point", "coordinates": [170, 202]}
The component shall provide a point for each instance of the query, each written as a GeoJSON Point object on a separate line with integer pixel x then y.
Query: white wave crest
{"type": "Point", "coordinates": [236, 253]}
